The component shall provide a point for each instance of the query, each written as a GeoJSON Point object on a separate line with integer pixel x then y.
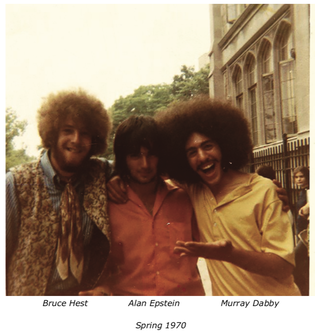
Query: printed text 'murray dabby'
{"type": "Point", "coordinates": [245, 304]}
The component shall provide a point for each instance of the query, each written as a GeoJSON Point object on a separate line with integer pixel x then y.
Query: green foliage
{"type": "Point", "coordinates": [149, 99]}
{"type": "Point", "coordinates": [190, 83]}
{"type": "Point", "coordinates": [145, 100]}
{"type": "Point", "coordinates": [14, 128]}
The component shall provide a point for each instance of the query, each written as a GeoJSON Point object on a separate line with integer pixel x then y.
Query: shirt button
{"type": "Point", "coordinates": [156, 244]}
{"type": "Point", "coordinates": [157, 272]}
{"type": "Point", "coordinates": [215, 224]}
{"type": "Point", "coordinates": [215, 210]}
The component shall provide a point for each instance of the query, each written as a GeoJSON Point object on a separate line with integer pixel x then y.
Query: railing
{"type": "Point", "coordinates": [284, 158]}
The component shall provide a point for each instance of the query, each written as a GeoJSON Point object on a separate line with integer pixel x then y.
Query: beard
{"type": "Point", "coordinates": [67, 165]}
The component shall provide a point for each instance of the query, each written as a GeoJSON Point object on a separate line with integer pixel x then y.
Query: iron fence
{"type": "Point", "coordinates": [284, 158]}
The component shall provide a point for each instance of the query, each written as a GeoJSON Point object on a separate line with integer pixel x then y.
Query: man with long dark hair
{"type": "Point", "coordinates": [144, 230]}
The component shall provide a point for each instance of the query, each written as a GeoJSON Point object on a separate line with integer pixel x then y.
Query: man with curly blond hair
{"type": "Point", "coordinates": [57, 224]}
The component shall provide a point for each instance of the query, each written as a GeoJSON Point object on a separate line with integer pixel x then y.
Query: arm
{"type": "Point", "coordinates": [282, 194]}
{"type": "Point", "coordinates": [273, 253]}
{"type": "Point", "coordinates": [108, 167]}
{"type": "Point", "coordinates": [116, 190]}
{"type": "Point", "coordinates": [266, 264]}
{"type": "Point", "coordinates": [305, 211]}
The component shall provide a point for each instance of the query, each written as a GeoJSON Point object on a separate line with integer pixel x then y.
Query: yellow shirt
{"type": "Point", "coordinates": [251, 217]}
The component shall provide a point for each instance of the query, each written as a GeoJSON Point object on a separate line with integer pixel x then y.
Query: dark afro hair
{"type": "Point", "coordinates": [218, 120]}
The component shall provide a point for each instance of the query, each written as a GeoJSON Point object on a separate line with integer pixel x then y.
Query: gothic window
{"type": "Point", "coordinates": [286, 75]}
{"type": "Point", "coordinates": [225, 84]}
{"type": "Point", "coordinates": [238, 87]}
{"type": "Point", "coordinates": [268, 93]}
{"type": "Point", "coordinates": [252, 101]}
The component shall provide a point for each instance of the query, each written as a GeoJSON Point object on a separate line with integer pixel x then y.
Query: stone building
{"type": "Point", "coordinates": [260, 61]}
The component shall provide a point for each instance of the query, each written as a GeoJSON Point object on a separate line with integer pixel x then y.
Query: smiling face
{"type": "Point", "coordinates": [143, 166]}
{"type": "Point", "coordinates": [72, 148]}
{"type": "Point", "coordinates": [204, 157]}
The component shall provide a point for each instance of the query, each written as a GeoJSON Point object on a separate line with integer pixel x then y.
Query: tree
{"type": "Point", "coordinates": [190, 83]}
{"type": "Point", "coordinates": [14, 128]}
{"type": "Point", "coordinates": [144, 100]}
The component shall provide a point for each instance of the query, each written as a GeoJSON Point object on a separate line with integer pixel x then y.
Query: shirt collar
{"type": "Point", "coordinates": [51, 173]}
{"type": "Point", "coordinates": [237, 192]}
{"type": "Point", "coordinates": [164, 188]}
{"type": "Point", "coordinates": [47, 167]}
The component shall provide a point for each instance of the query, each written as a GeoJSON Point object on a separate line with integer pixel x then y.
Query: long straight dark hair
{"type": "Point", "coordinates": [132, 134]}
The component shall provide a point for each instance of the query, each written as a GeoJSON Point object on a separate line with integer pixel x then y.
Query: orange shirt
{"type": "Point", "coordinates": [142, 261]}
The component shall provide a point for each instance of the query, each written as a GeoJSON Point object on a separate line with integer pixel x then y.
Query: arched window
{"type": "Point", "coordinates": [268, 92]}
{"type": "Point", "coordinates": [286, 74]}
{"type": "Point", "coordinates": [238, 86]}
{"type": "Point", "coordinates": [285, 44]}
{"type": "Point", "coordinates": [252, 102]}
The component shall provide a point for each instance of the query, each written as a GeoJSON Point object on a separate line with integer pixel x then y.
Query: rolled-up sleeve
{"type": "Point", "coordinates": [277, 235]}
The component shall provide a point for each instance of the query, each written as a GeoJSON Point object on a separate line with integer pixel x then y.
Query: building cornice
{"type": "Point", "coordinates": [238, 24]}
{"type": "Point", "coordinates": [254, 8]}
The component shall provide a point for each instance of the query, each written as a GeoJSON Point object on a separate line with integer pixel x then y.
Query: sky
{"type": "Point", "coordinates": [108, 50]}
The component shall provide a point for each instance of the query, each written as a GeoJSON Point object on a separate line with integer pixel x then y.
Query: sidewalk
{"type": "Point", "coordinates": [203, 270]}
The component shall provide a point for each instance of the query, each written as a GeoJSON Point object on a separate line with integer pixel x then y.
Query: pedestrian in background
{"type": "Point", "coordinates": [302, 260]}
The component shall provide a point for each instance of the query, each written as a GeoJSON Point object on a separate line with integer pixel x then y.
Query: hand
{"type": "Point", "coordinates": [116, 190]}
{"type": "Point", "coordinates": [97, 291]}
{"type": "Point", "coordinates": [305, 211]}
{"type": "Point", "coordinates": [219, 250]}
{"type": "Point", "coordinates": [282, 194]}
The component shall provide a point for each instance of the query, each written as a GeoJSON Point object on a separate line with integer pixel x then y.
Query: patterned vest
{"type": "Point", "coordinates": [32, 261]}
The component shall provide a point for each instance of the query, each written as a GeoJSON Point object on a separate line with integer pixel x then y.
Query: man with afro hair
{"type": "Point", "coordinates": [57, 233]}
{"type": "Point", "coordinates": [245, 236]}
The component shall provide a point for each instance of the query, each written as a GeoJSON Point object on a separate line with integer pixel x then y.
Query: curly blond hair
{"type": "Point", "coordinates": [79, 105]}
